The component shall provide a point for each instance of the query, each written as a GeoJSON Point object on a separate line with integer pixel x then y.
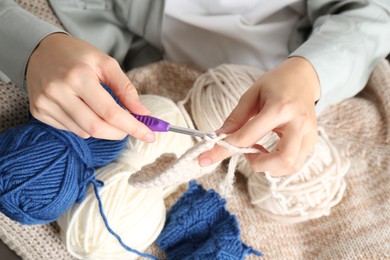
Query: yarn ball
{"type": "Point", "coordinates": [215, 94]}
{"type": "Point", "coordinates": [199, 227]}
{"type": "Point", "coordinates": [136, 215]}
{"type": "Point", "coordinates": [307, 194]}
{"type": "Point", "coordinates": [44, 171]}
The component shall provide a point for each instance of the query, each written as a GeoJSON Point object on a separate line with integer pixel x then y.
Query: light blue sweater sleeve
{"type": "Point", "coordinates": [349, 38]}
{"type": "Point", "coordinates": [20, 33]}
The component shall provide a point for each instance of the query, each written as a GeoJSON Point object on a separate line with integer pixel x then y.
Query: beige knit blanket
{"type": "Point", "coordinates": [359, 227]}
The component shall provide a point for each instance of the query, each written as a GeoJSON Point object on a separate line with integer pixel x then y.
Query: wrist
{"type": "Point", "coordinates": [306, 70]}
{"type": "Point", "coordinates": [48, 40]}
{"type": "Point", "coordinates": [51, 39]}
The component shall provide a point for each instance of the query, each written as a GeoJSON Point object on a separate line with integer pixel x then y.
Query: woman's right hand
{"type": "Point", "coordinates": [63, 81]}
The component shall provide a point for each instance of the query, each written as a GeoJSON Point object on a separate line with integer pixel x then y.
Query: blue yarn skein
{"type": "Point", "coordinates": [44, 171]}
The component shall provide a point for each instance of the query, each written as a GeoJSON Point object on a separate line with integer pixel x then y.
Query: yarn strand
{"type": "Point", "coordinates": [96, 185]}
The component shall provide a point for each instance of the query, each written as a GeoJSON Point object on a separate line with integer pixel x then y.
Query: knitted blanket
{"type": "Point", "coordinates": [357, 228]}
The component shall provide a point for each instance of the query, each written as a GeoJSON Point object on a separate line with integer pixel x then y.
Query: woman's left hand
{"type": "Point", "coordinates": [282, 101]}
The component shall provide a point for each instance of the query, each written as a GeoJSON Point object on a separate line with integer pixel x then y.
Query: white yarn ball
{"type": "Point", "coordinates": [216, 93]}
{"type": "Point", "coordinates": [307, 194]}
{"type": "Point", "coordinates": [136, 215]}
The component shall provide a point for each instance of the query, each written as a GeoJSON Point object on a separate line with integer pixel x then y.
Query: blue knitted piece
{"type": "Point", "coordinates": [199, 227]}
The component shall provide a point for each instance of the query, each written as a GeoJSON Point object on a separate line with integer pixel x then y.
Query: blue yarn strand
{"type": "Point", "coordinates": [96, 185]}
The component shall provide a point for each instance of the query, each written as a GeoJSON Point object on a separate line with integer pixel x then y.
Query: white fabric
{"type": "Point", "coordinates": [248, 32]}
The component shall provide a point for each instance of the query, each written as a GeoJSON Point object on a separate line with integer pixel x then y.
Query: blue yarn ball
{"type": "Point", "coordinates": [44, 171]}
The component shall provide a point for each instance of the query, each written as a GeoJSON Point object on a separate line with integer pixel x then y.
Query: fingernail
{"type": "Point", "coordinates": [205, 161]}
{"type": "Point", "coordinates": [220, 131]}
{"type": "Point", "coordinates": [149, 138]}
{"type": "Point", "coordinates": [251, 155]}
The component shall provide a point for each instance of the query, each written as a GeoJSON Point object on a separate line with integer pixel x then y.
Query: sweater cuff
{"type": "Point", "coordinates": [341, 74]}
{"type": "Point", "coordinates": [21, 33]}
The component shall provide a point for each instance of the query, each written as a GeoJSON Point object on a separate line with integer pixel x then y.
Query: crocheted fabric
{"type": "Point", "coordinates": [199, 227]}
{"type": "Point", "coordinates": [167, 170]}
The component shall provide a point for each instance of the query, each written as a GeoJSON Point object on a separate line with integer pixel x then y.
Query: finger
{"type": "Point", "coordinates": [51, 122]}
{"type": "Point", "coordinates": [255, 129]}
{"type": "Point", "coordinates": [216, 154]}
{"type": "Point", "coordinates": [56, 117]}
{"type": "Point", "coordinates": [246, 136]}
{"type": "Point", "coordinates": [260, 148]}
{"type": "Point", "coordinates": [307, 146]}
{"type": "Point", "coordinates": [281, 161]}
{"type": "Point", "coordinates": [68, 126]}
{"type": "Point", "coordinates": [245, 109]}
{"type": "Point", "coordinates": [88, 120]}
{"type": "Point", "coordinates": [109, 111]}
{"type": "Point", "coordinates": [120, 84]}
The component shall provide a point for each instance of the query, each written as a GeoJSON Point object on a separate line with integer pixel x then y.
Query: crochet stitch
{"type": "Point", "coordinates": [167, 170]}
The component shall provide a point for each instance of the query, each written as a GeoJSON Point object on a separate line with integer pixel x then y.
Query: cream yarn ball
{"type": "Point", "coordinates": [307, 194]}
{"type": "Point", "coordinates": [215, 94]}
{"type": "Point", "coordinates": [136, 215]}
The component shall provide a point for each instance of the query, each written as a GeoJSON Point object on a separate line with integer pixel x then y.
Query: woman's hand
{"type": "Point", "coordinates": [283, 101]}
{"type": "Point", "coordinates": [63, 81]}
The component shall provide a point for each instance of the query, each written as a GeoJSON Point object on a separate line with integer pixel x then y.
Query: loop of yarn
{"type": "Point", "coordinates": [137, 215]}
{"type": "Point", "coordinates": [213, 97]}
{"type": "Point", "coordinates": [199, 227]}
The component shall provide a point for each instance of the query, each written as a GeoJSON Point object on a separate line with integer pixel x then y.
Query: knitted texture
{"type": "Point", "coordinates": [199, 227]}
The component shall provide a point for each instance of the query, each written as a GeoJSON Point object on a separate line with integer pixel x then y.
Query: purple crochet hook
{"type": "Point", "coordinates": [159, 125]}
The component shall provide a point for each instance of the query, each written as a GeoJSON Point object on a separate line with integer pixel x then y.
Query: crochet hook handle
{"type": "Point", "coordinates": [155, 124]}
{"type": "Point", "coordinates": [159, 125]}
